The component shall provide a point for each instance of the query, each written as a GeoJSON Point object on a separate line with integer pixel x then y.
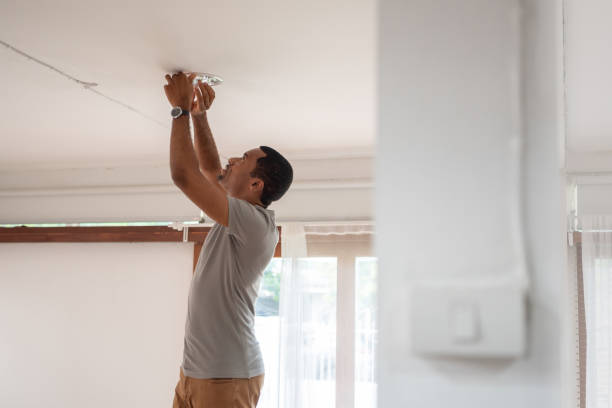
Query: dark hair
{"type": "Point", "coordinates": [276, 173]}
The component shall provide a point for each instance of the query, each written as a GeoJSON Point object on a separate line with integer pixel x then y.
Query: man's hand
{"type": "Point", "coordinates": [204, 97]}
{"type": "Point", "coordinates": [179, 90]}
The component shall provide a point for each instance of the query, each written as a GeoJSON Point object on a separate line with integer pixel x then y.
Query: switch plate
{"type": "Point", "coordinates": [463, 320]}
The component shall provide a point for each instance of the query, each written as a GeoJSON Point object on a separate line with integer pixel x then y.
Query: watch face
{"type": "Point", "coordinates": [176, 112]}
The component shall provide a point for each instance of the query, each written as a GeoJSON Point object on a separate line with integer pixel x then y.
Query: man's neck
{"type": "Point", "coordinates": [251, 201]}
{"type": "Point", "coordinates": [254, 202]}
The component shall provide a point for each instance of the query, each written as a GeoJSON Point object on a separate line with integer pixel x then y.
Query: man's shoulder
{"type": "Point", "coordinates": [249, 220]}
{"type": "Point", "coordinates": [254, 208]}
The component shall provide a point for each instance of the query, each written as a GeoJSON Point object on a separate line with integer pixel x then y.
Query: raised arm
{"type": "Point", "coordinates": [205, 147]}
{"type": "Point", "coordinates": [179, 92]}
{"type": "Point", "coordinates": [186, 175]}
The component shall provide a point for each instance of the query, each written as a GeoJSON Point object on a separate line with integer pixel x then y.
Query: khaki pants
{"type": "Point", "coordinates": [217, 392]}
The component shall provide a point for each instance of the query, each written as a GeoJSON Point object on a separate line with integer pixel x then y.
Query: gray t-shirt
{"type": "Point", "coordinates": [219, 332]}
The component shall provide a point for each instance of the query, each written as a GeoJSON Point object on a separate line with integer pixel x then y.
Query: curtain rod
{"type": "Point", "coordinates": [312, 223]}
{"type": "Point", "coordinates": [176, 223]}
{"type": "Point", "coordinates": [280, 223]}
{"type": "Point", "coordinates": [323, 223]}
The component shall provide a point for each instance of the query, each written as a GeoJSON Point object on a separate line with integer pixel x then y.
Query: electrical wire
{"type": "Point", "coordinates": [87, 85]}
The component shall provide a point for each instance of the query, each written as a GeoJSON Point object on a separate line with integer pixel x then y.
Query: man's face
{"type": "Point", "coordinates": [236, 175]}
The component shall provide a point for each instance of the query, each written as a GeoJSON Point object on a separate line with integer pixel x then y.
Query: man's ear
{"type": "Point", "coordinates": [257, 185]}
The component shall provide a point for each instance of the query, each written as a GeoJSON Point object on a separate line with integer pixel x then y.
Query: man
{"type": "Point", "coordinates": [222, 363]}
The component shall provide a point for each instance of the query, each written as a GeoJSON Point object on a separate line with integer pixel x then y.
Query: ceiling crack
{"type": "Point", "coordinates": [87, 85]}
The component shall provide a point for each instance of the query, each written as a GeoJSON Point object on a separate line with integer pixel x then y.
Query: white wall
{"type": "Point", "coordinates": [101, 324]}
{"type": "Point", "coordinates": [449, 81]}
{"type": "Point", "coordinates": [337, 186]}
{"type": "Point", "coordinates": [595, 198]}
{"type": "Point", "coordinates": [588, 92]}
{"type": "Point", "coordinates": [92, 324]}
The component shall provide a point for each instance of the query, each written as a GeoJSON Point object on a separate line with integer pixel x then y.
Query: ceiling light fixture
{"type": "Point", "coordinates": [210, 79]}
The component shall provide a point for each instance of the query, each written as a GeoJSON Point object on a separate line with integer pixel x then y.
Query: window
{"type": "Point", "coordinates": [593, 305]}
{"type": "Point", "coordinates": [316, 325]}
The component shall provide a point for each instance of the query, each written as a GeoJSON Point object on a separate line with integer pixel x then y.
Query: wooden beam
{"type": "Point", "coordinates": [100, 234]}
{"type": "Point", "coordinates": [108, 234]}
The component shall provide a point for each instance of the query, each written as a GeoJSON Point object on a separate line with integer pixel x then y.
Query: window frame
{"type": "Point", "coordinates": [576, 241]}
{"type": "Point", "coordinates": [355, 245]}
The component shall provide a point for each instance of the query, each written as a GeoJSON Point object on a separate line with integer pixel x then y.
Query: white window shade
{"type": "Point", "coordinates": [594, 196]}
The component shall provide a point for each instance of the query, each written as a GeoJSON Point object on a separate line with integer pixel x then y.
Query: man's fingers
{"type": "Point", "coordinates": [200, 99]}
{"type": "Point", "coordinates": [168, 79]}
{"type": "Point", "coordinates": [166, 89]}
{"type": "Point", "coordinates": [207, 89]}
{"type": "Point", "coordinates": [178, 77]}
{"type": "Point", "coordinates": [201, 87]}
{"type": "Point", "coordinates": [208, 92]}
{"type": "Point", "coordinates": [211, 92]}
{"type": "Point", "coordinates": [206, 99]}
{"type": "Point", "coordinates": [191, 77]}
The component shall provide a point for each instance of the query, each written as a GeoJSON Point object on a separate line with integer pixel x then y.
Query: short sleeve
{"type": "Point", "coordinates": [245, 222]}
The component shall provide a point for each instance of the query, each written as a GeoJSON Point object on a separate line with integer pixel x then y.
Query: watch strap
{"type": "Point", "coordinates": [183, 112]}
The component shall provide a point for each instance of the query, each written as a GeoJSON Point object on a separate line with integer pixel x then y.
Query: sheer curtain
{"type": "Point", "coordinates": [597, 278]}
{"type": "Point", "coordinates": [292, 373]}
{"type": "Point", "coordinates": [319, 316]}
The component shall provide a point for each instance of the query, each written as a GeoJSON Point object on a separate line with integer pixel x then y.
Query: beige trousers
{"type": "Point", "coordinates": [217, 392]}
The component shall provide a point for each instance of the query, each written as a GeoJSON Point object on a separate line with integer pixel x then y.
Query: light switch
{"type": "Point", "coordinates": [468, 320]}
{"type": "Point", "coordinates": [464, 323]}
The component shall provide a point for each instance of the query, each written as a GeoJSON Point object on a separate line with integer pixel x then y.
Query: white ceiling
{"type": "Point", "coordinates": [299, 76]}
{"type": "Point", "coordinates": [588, 65]}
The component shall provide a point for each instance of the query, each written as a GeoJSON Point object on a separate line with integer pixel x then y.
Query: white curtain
{"type": "Point", "coordinates": [597, 277]}
{"type": "Point", "coordinates": [308, 365]}
{"type": "Point", "coordinates": [291, 370]}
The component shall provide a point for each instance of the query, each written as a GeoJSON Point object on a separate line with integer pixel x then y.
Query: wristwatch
{"type": "Point", "coordinates": [177, 112]}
